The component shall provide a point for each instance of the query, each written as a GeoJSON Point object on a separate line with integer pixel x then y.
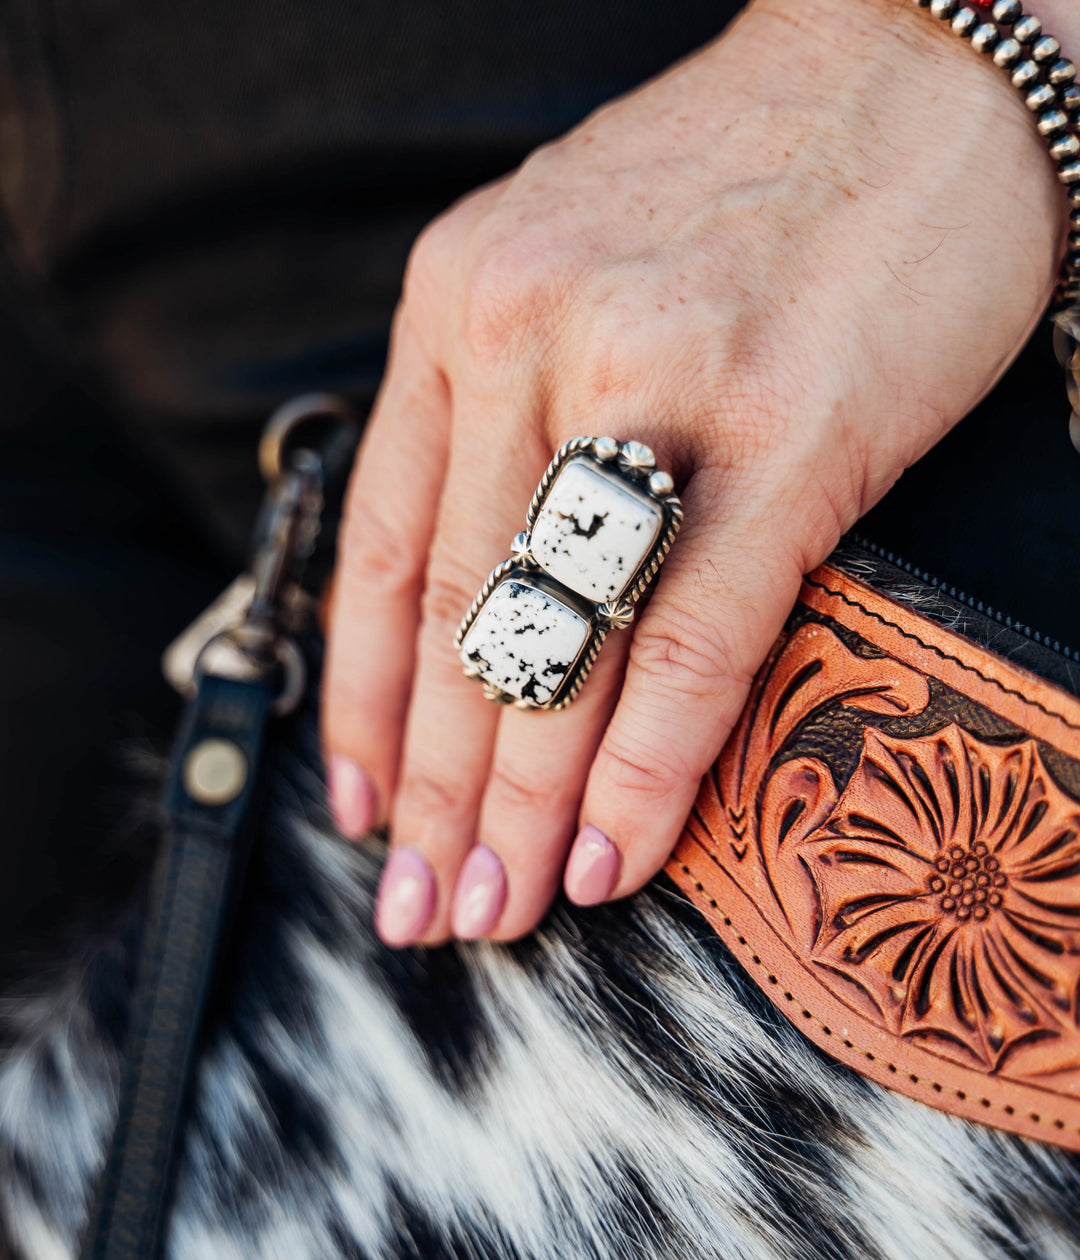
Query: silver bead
{"type": "Point", "coordinates": [606, 448]}
{"type": "Point", "coordinates": [1038, 98]}
{"type": "Point", "coordinates": [1027, 30]}
{"type": "Point", "coordinates": [1073, 243]}
{"type": "Point", "coordinates": [964, 22]}
{"type": "Point", "coordinates": [1046, 49]}
{"type": "Point", "coordinates": [984, 38]}
{"type": "Point", "coordinates": [1074, 220]}
{"type": "Point", "coordinates": [1061, 73]}
{"type": "Point", "coordinates": [1073, 194]}
{"type": "Point", "coordinates": [1025, 74]}
{"type": "Point", "coordinates": [1053, 122]}
{"type": "Point", "coordinates": [1069, 173]}
{"type": "Point", "coordinates": [1065, 148]}
{"type": "Point", "coordinates": [943, 9]}
{"type": "Point", "coordinates": [661, 484]}
{"type": "Point", "coordinates": [1070, 99]}
{"type": "Point", "coordinates": [1005, 12]}
{"type": "Point", "coordinates": [1007, 53]}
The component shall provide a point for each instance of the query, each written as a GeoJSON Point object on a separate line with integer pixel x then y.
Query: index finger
{"type": "Point", "coordinates": [389, 519]}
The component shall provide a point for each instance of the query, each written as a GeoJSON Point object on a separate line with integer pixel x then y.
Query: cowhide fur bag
{"type": "Point", "coordinates": [613, 1087]}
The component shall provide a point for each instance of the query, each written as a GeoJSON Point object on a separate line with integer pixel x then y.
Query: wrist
{"type": "Point", "coordinates": [1008, 104]}
{"type": "Point", "coordinates": [944, 138]}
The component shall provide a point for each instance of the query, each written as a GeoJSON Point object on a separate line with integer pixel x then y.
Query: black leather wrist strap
{"type": "Point", "coordinates": [241, 670]}
{"type": "Point", "coordinates": [209, 801]}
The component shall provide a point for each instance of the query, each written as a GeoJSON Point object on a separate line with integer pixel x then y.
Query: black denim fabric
{"type": "Point", "coordinates": [221, 194]}
{"type": "Point", "coordinates": [206, 208]}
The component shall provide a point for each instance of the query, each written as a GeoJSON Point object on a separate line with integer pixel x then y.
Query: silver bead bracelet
{"type": "Point", "coordinates": [1047, 80]}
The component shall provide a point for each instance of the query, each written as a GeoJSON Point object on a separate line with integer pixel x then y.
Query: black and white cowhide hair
{"type": "Point", "coordinates": [611, 1088]}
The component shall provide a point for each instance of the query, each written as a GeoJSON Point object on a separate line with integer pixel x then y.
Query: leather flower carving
{"type": "Point", "coordinates": [945, 899]}
{"type": "Point", "coordinates": [904, 886]}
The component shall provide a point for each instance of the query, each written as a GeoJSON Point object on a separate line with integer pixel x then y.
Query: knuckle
{"type": "Point", "coordinates": [375, 554]}
{"type": "Point", "coordinates": [427, 794]}
{"type": "Point", "coordinates": [512, 293]}
{"type": "Point", "coordinates": [429, 259]}
{"type": "Point", "coordinates": [610, 371]}
{"type": "Point", "coordinates": [682, 654]}
{"type": "Point", "coordinates": [447, 596]}
{"type": "Point", "coordinates": [515, 790]}
{"type": "Point", "coordinates": [635, 767]}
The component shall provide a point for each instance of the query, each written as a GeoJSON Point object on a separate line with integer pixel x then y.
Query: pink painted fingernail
{"type": "Point", "coordinates": [593, 867]}
{"type": "Point", "coordinates": [479, 896]}
{"type": "Point", "coordinates": [352, 797]}
{"type": "Point", "coordinates": [406, 899]}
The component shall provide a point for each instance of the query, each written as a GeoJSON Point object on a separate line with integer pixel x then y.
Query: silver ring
{"type": "Point", "coordinates": [599, 526]}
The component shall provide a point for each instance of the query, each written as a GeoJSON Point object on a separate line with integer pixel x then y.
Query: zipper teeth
{"type": "Point", "coordinates": [962, 598]}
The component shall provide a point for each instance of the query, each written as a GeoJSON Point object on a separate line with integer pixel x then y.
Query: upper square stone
{"type": "Point", "coordinates": [594, 530]}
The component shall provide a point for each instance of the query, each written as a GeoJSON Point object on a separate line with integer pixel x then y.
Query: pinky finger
{"type": "Point", "coordinates": [691, 662]}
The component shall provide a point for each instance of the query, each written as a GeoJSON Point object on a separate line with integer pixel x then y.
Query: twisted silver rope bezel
{"type": "Point", "coordinates": [493, 579]}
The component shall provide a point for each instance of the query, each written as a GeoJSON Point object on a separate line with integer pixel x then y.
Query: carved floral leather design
{"type": "Point", "coordinates": [890, 844]}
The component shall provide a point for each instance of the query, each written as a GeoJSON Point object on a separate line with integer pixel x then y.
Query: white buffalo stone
{"type": "Point", "coordinates": [594, 530]}
{"type": "Point", "coordinates": [524, 641]}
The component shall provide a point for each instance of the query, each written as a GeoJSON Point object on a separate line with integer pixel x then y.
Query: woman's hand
{"type": "Point", "coordinates": [788, 266]}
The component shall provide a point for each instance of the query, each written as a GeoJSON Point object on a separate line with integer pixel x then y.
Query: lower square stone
{"type": "Point", "coordinates": [524, 641]}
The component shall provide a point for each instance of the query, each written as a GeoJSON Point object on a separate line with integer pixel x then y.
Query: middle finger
{"type": "Point", "coordinates": [530, 809]}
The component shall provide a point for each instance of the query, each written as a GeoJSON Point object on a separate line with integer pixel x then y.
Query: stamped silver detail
{"type": "Point", "coordinates": [636, 458]}
{"type": "Point", "coordinates": [520, 549]}
{"type": "Point", "coordinates": [616, 616]}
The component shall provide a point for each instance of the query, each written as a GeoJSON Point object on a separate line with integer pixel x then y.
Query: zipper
{"type": "Point", "coordinates": [860, 540]}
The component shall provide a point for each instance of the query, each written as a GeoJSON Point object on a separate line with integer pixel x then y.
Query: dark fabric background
{"type": "Point", "coordinates": [206, 208]}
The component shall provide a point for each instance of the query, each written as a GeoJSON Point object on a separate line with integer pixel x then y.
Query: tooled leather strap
{"type": "Point", "coordinates": [890, 845]}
